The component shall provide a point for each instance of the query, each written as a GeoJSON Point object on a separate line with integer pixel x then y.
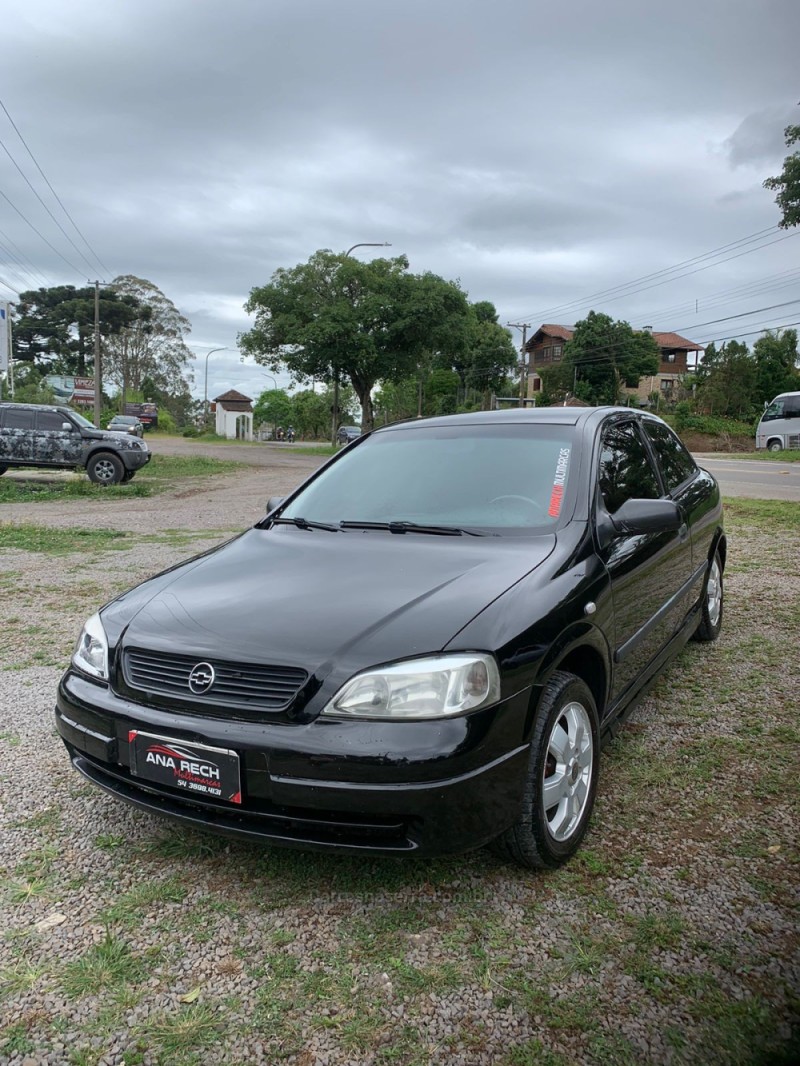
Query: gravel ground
{"type": "Point", "coordinates": [671, 938]}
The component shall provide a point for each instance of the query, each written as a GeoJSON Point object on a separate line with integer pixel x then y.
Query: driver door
{"type": "Point", "coordinates": [647, 571]}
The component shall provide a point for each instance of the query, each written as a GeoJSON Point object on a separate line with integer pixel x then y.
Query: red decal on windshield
{"type": "Point", "coordinates": [557, 495]}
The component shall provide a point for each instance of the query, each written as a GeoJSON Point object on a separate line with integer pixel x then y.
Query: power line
{"type": "Point", "coordinates": [7, 244]}
{"type": "Point", "coordinates": [616, 292]}
{"type": "Point", "coordinates": [721, 296]}
{"type": "Point", "coordinates": [77, 270]}
{"type": "Point", "coordinates": [104, 268]}
{"type": "Point", "coordinates": [44, 205]}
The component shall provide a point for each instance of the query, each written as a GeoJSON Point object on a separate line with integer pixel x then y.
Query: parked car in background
{"type": "Point", "coordinates": [127, 424]}
{"type": "Point", "coordinates": [419, 650]}
{"type": "Point", "coordinates": [779, 426]}
{"type": "Point", "coordinates": [347, 433]}
{"type": "Point", "coordinates": [39, 436]}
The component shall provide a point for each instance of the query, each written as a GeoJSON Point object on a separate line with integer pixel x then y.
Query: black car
{"type": "Point", "coordinates": [127, 424]}
{"type": "Point", "coordinates": [39, 436]}
{"type": "Point", "coordinates": [347, 433]}
{"type": "Point", "coordinates": [419, 650]}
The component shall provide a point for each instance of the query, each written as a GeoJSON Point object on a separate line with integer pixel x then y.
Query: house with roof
{"type": "Point", "coordinates": [546, 347]}
{"type": "Point", "coordinates": [234, 415]}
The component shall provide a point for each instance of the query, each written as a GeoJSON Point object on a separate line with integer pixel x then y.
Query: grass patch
{"type": "Point", "coordinates": [178, 1035]}
{"type": "Point", "coordinates": [163, 467]}
{"type": "Point", "coordinates": [35, 491]}
{"type": "Point", "coordinates": [53, 541]}
{"type": "Point", "coordinates": [126, 910]}
{"type": "Point", "coordinates": [766, 515]}
{"type": "Point", "coordinates": [789, 455]}
{"type": "Point", "coordinates": [106, 966]}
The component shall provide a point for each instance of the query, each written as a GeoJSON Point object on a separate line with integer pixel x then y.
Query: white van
{"type": "Point", "coordinates": [780, 424]}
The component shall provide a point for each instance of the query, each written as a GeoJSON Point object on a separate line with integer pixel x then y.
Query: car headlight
{"type": "Point", "coordinates": [91, 651]}
{"type": "Point", "coordinates": [437, 687]}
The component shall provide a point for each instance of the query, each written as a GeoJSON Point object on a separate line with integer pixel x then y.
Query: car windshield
{"type": "Point", "coordinates": [503, 478]}
{"type": "Point", "coordinates": [81, 420]}
{"type": "Point", "coordinates": [129, 419]}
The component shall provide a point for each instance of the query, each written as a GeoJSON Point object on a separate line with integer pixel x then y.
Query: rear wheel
{"type": "Point", "coordinates": [104, 468]}
{"type": "Point", "coordinates": [562, 778]}
{"type": "Point", "coordinates": [712, 609]}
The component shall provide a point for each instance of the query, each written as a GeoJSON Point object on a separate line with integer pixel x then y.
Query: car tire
{"type": "Point", "coordinates": [566, 725]}
{"type": "Point", "coordinates": [712, 608]}
{"type": "Point", "coordinates": [104, 468]}
{"type": "Point", "coordinates": [127, 476]}
{"type": "Point", "coordinates": [774, 446]}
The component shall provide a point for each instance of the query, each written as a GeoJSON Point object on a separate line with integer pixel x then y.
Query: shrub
{"type": "Point", "coordinates": [191, 431]}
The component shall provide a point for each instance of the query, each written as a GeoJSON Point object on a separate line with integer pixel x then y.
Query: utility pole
{"type": "Point", "coordinates": [523, 377]}
{"type": "Point", "coordinates": [98, 381]}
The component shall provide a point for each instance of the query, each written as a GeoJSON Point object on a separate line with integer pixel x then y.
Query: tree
{"type": "Point", "coordinates": [490, 352]}
{"type": "Point", "coordinates": [152, 345]}
{"type": "Point", "coordinates": [54, 327]}
{"type": "Point", "coordinates": [602, 356]}
{"type": "Point", "coordinates": [273, 407]}
{"type": "Point", "coordinates": [726, 380]}
{"type": "Point", "coordinates": [336, 316]}
{"type": "Point", "coordinates": [787, 183]}
{"type": "Point", "coordinates": [776, 359]}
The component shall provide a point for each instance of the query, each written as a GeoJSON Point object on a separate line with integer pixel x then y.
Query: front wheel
{"type": "Point", "coordinates": [712, 608]}
{"type": "Point", "coordinates": [562, 778]}
{"type": "Point", "coordinates": [774, 446]}
{"type": "Point", "coordinates": [105, 469]}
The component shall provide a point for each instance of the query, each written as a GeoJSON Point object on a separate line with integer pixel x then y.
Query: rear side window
{"type": "Point", "coordinates": [677, 464]}
{"type": "Point", "coordinates": [18, 418]}
{"type": "Point", "coordinates": [50, 420]}
{"type": "Point", "coordinates": [626, 469]}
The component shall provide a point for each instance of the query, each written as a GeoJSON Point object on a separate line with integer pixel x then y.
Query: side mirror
{"type": "Point", "coordinates": [67, 426]}
{"type": "Point", "coordinates": [273, 502]}
{"type": "Point", "coordinates": [636, 517]}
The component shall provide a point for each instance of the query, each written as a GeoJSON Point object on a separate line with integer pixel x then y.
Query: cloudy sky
{"type": "Point", "coordinates": [540, 152]}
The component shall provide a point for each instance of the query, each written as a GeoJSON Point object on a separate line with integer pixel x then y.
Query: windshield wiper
{"type": "Point", "coordinates": [417, 527]}
{"type": "Point", "coordinates": [303, 523]}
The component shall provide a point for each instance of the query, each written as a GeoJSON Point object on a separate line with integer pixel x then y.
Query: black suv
{"type": "Point", "coordinates": [34, 435]}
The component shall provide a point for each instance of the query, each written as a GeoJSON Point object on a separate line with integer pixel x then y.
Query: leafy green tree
{"type": "Point", "coordinates": [54, 327]}
{"type": "Point", "coordinates": [603, 356]}
{"type": "Point", "coordinates": [274, 408]}
{"type": "Point", "coordinates": [490, 353]}
{"type": "Point", "coordinates": [365, 322]}
{"type": "Point", "coordinates": [29, 387]}
{"type": "Point", "coordinates": [776, 359]}
{"type": "Point", "coordinates": [311, 413]}
{"type": "Point", "coordinates": [396, 400]}
{"type": "Point", "coordinates": [152, 345]}
{"type": "Point", "coordinates": [176, 401]}
{"type": "Point", "coordinates": [787, 183]}
{"type": "Point", "coordinates": [727, 380]}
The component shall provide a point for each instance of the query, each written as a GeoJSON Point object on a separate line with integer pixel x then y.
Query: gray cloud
{"type": "Point", "coordinates": [537, 152]}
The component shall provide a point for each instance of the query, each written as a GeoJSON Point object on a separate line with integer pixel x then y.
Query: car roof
{"type": "Point", "coordinates": [558, 416]}
{"type": "Point", "coordinates": [34, 406]}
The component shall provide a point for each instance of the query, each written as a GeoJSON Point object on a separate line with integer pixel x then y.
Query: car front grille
{"type": "Point", "coordinates": [247, 686]}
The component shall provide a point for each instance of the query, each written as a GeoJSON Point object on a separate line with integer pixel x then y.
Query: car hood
{"type": "Point", "coordinates": [316, 599]}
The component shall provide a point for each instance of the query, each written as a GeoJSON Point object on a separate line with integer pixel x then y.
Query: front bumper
{"type": "Point", "coordinates": [135, 458]}
{"type": "Point", "coordinates": [395, 788]}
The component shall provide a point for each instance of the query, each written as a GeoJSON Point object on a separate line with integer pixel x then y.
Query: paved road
{"type": "Point", "coordinates": [760, 479]}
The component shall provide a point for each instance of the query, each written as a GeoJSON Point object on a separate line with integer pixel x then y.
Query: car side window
{"type": "Point", "coordinates": [626, 469]}
{"type": "Point", "coordinates": [775, 410]}
{"type": "Point", "coordinates": [18, 418]}
{"type": "Point", "coordinates": [50, 420]}
{"type": "Point", "coordinates": [677, 464]}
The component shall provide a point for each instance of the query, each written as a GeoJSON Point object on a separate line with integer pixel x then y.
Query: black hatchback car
{"type": "Point", "coordinates": [419, 650]}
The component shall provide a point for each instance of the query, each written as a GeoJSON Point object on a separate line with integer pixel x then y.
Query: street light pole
{"type": "Point", "coordinates": [335, 414]}
{"type": "Point", "coordinates": [205, 387]}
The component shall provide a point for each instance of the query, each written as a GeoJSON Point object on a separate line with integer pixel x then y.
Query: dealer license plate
{"type": "Point", "coordinates": [196, 768]}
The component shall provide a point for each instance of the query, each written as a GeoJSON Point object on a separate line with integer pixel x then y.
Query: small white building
{"type": "Point", "coordinates": [234, 415]}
